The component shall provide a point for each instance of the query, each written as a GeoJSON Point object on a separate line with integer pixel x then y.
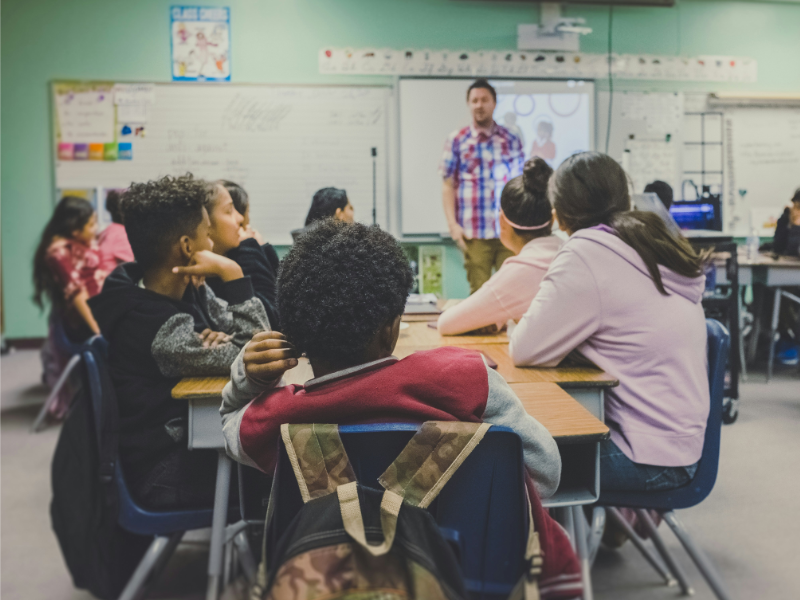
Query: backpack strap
{"type": "Point", "coordinates": [354, 522]}
{"type": "Point", "coordinates": [430, 458]}
{"type": "Point", "coordinates": [527, 587]}
{"type": "Point", "coordinates": [318, 459]}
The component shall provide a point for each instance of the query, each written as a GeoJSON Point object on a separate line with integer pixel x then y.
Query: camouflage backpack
{"type": "Point", "coordinates": [354, 542]}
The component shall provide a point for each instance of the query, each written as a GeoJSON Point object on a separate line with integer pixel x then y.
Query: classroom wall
{"type": "Point", "coordinates": [276, 41]}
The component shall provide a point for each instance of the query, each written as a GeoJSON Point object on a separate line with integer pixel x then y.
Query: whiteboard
{"type": "Point", "coordinates": [646, 135]}
{"type": "Point", "coordinates": [281, 143]}
{"type": "Point", "coordinates": [431, 109]}
{"type": "Point", "coordinates": [762, 157]}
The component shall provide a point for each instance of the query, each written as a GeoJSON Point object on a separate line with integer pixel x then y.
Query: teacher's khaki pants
{"type": "Point", "coordinates": [479, 259]}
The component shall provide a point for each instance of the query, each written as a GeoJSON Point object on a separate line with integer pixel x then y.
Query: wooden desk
{"type": "Point", "coordinates": [204, 388]}
{"type": "Point", "coordinates": [565, 376]}
{"type": "Point", "coordinates": [419, 335]}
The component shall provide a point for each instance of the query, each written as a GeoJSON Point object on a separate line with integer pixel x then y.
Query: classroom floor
{"type": "Point", "coordinates": [748, 526]}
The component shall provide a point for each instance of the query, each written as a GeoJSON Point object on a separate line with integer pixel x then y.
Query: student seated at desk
{"type": "Point", "coordinates": [626, 294]}
{"type": "Point", "coordinates": [259, 262]}
{"type": "Point", "coordinates": [787, 243]}
{"type": "Point", "coordinates": [341, 293]}
{"type": "Point", "coordinates": [327, 203]}
{"type": "Point", "coordinates": [67, 268]}
{"type": "Point", "coordinates": [161, 327]}
{"type": "Point", "coordinates": [113, 241]}
{"type": "Point", "coordinates": [787, 231]}
{"type": "Point", "coordinates": [525, 229]}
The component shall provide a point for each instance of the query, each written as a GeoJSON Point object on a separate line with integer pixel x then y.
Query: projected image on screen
{"type": "Point", "coordinates": [551, 126]}
{"type": "Point", "coordinates": [553, 119]}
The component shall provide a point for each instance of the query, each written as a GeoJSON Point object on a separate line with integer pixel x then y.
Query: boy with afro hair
{"type": "Point", "coordinates": [341, 294]}
{"type": "Point", "coordinates": [163, 323]}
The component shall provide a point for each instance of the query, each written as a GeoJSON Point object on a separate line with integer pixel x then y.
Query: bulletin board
{"type": "Point", "coordinates": [281, 143]}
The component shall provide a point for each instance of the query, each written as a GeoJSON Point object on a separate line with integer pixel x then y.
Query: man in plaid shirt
{"type": "Point", "coordinates": [478, 161]}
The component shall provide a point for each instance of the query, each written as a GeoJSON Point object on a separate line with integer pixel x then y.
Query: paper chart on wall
{"type": "Point", "coordinates": [85, 116]}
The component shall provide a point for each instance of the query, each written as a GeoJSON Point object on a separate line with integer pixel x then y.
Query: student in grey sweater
{"type": "Point", "coordinates": [163, 323]}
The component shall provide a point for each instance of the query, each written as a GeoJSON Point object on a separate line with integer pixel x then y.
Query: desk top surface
{"type": "Point", "coordinates": [554, 408]}
{"type": "Point", "coordinates": [420, 335]}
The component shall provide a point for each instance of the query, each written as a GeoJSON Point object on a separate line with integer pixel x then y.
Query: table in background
{"type": "Point", "coordinates": [770, 271]}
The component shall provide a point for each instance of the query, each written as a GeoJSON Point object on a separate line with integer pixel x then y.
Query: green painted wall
{"type": "Point", "coordinates": [277, 41]}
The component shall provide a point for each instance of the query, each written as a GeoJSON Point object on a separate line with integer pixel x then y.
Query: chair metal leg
{"type": "Point", "coordinates": [673, 566]}
{"type": "Point", "coordinates": [651, 558]}
{"type": "Point", "coordinates": [246, 558]}
{"type": "Point", "coordinates": [776, 311]}
{"type": "Point", "coordinates": [51, 399]}
{"type": "Point", "coordinates": [596, 528]}
{"type": "Point", "coordinates": [579, 521]}
{"type": "Point", "coordinates": [698, 556]}
{"type": "Point", "coordinates": [565, 517]}
{"type": "Point", "coordinates": [218, 520]}
{"type": "Point", "coordinates": [742, 363]}
{"type": "Point", "coordinates": [156, 556]}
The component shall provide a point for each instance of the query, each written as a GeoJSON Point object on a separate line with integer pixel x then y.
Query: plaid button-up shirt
{"type": "Point", "coordinates": [481, 164]}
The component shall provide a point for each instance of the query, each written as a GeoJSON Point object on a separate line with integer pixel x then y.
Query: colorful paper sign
{"type": "Point", "coordinates": [96, 151]}
{"type": "Point", "coordinates": [125, 151]}
{"type": "Point", "coordinates": [81, 152]}
{"type": "Point", "coordinates": [66, 151]}
{"type": "Point", "coordinates": [201, 43]}
{"type": "Point", "coordinates": [110, 151]}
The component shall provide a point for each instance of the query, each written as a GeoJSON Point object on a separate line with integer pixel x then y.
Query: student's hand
{"type": "Point", "coordinates": [212, 339]}
{"type": "Point", "coordinates": [248, 232]}
{"type": "Point", "coordinates": [207, 264]}
{"type": "Point", "coordinates": [268, 356]}
{"type": "Point", "coordinates": [459, 236]}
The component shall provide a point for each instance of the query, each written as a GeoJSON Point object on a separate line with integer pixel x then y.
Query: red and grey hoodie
{"type": "Point", "coordinates": [446, 384]}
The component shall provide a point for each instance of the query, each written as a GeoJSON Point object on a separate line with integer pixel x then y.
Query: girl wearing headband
{"type": "Point", "coordinates": [525, 229]}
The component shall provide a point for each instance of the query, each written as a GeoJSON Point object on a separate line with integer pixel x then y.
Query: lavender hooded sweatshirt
{"type": "Point", "coordinates": [598, 297]}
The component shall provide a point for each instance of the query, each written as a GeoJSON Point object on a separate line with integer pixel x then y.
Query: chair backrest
{"type": "Point", "coordinates": [482, 510]}
{"type": "Point", "coordinates": [60, 337]}
{"type": "Point", "coordinates": [132, 517]}
{"type": "Point", "coordinates": [718, 347]}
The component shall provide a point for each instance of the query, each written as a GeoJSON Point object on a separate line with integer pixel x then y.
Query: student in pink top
{"type": "Point", "coordinates": [626, 294]}
{"type": "Point", "coordinates": [525, 229]}
{"type": "Point", "coordinates": [114, 246]}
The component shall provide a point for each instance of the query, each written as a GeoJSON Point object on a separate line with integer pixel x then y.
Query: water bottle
{"type": "Point", "coordinates": [753, 243]}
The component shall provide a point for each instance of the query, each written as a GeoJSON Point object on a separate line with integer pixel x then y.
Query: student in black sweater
{"type": "Point", "coordinates": [234, 238]}
{"type": "Point", "coordinates": [163, 323]}
{"type": "Point", "coordinates": [787, 232]}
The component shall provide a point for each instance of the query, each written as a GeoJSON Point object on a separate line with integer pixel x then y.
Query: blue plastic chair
{"type": "Point", "coordinates": [68, 348]}
{"type": "Point", "coordinates": [481, 512]}
{"type": "Point", "coordinates": [166, 527]}
{"type": "Point", "coordinates": [665, 502]}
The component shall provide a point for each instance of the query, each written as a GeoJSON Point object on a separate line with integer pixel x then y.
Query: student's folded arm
{"type": "Point", "coordinates": [237, 310]}
{"type": "Point", "coordinates": [565, 312]}
{"type": "Point", "coordinates": [237, 395]}
{"type": "Point", "coordinates": [540, 451]}
{"type": "Point", "coordinates": [179, 352]}
{"type": "Point", "coordinates": [481, 309]}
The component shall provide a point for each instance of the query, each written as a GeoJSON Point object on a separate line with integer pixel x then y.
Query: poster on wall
{"type": "Point", "coordinates": [85, 121]}
{"type": "Point", "coordinates": [201, 43]}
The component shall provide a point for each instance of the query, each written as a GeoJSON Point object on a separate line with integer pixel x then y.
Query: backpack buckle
{"type": "Point", "coordinates": [535, 567]}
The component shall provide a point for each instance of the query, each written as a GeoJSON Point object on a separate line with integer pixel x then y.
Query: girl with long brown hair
{"type": "Point", "coordinates": [626, 294]}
